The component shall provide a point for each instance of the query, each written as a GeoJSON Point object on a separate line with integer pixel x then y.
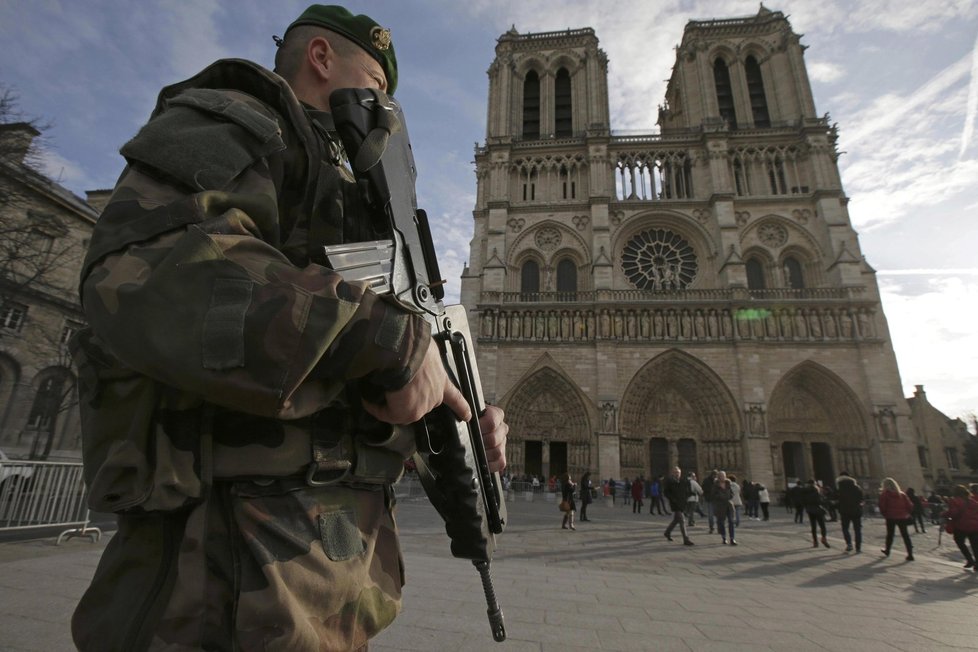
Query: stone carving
{"type": "Point", "coordinates": [516, 224]}
{"type": "Point", "coordinates": [772, 235]}
{"type": "Point", "coordinates": [547, 238]}
{"type": "Point", "coordinates": [608, 420]}
{"type": "Point", "coordinates": [741, 217]}
{"type": "Point", "coordinates": [581, 221]}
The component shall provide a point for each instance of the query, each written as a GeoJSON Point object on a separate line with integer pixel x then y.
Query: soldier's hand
{"type": "Point", "coordinates": [429, 388]}
{"type": "Point", "coordinates": [494, 430]}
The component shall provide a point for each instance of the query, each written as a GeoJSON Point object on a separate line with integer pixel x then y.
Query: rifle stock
{"type": "Point", "coordinates": [451, 458]}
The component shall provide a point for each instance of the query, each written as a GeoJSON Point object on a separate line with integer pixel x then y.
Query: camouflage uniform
{"type": "Point", "coordinates": [221, 382]}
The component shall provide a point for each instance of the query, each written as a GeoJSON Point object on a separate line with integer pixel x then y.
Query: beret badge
{"type": "Point", "coordinates": [380, 37]}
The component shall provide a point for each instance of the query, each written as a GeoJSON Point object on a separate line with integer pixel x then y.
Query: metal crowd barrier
{"type": "Point", "coordinates": [37, 495]}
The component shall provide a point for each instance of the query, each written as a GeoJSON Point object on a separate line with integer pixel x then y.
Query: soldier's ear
{"type": "Point", "coordinates": [320, 57]}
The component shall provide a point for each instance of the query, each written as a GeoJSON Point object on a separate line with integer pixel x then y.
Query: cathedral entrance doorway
{"type": "Point", "coordinates": [817, 422]}
{"type": "Point", "coordinates": [558, 459]}
{"type": "Point", "coordinates": [682, 414]}
{"type": "Point", "coordinates": [533, 458]}
{"type": "Point", "coordinates": [659, 461]}
{"type": "Point", "coordinates": [550, 432]}
{"type": "Point", "coordinates": [822, 463]}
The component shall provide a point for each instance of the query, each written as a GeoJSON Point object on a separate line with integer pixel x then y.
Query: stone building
{"type": "Point", "coordinates": [44, 230]}
{"type": "Point", "coordinates": [695, 296]}
{"type": "Point", "coordinates": [941, 444]}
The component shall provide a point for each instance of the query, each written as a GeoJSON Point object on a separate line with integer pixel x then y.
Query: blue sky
{"type": "Point", "coordinates": [900, 77]}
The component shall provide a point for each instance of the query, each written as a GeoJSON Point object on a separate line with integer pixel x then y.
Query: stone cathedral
{"type": "Point", "coordinates": [695, 296]}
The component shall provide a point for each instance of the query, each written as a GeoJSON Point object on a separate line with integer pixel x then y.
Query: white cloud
{"type": "Point", "coordinates": [971, 113]}
{"type": "Point", "coordinates": [825, 71]}
{"type": "Point", "coordinates": [936, 341]}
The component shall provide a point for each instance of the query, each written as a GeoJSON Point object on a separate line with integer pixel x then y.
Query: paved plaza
{"type": "Point", "coordinates": [614, 584]}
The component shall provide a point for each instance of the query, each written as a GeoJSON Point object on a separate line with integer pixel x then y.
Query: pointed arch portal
{"type": "Point", "coordinates": [678, 407]}
{"type": "Point", "coordinates": [550, 431]}
{"type": "Point", "coordinates": [817, 427]}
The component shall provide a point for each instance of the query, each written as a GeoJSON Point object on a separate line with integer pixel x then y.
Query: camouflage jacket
{"type": "Point", "coordinates": [220, 346]}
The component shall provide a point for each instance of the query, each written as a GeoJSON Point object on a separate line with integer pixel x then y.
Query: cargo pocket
{"type": "Point", "coordinates": [340, 535]}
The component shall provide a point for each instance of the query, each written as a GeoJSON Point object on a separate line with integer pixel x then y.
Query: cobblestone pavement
{"type": "Point", "coordinates": [613, 584]}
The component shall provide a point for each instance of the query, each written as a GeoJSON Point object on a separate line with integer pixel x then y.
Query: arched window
{"type": "Point", "coordinates": [531, 106]}
{"type": "Point", "coordinates": [566, 280]}
{"type": "Point", "coordinates": [47, 402]}
{"type": "Point", "coordinates": [793, 275]}
{"type": "Point", "coordinates": [755, 274]}
{"type": "Point", "coordinates": [530, 280]}
{"type": "Point", "coordinates": [725, 100]}
{"type": "Point", "coordinates": [755, 88]}
{"type": "Point", "coordinates": [562, 104]}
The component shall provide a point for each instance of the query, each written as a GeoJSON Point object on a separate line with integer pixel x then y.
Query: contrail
{"type": "Point", "coordinates": [972, 111]}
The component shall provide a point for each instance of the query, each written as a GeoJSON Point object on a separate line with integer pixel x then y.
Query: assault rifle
{"type": "Point", "coordinates": [451, 458]}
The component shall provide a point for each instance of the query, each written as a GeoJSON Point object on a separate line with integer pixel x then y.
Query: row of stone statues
{"type": "Point", "coordinates": [786, 323]}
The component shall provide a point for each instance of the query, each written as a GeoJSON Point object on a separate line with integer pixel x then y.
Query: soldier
{"type": "Point", "coordinates": [239, 398]}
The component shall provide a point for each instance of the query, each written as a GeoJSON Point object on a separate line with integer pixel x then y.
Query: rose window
{"type": "Point", "coordinates": [659, 259]}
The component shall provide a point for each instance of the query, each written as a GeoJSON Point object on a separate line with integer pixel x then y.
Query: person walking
{"type": "Point", "coordinates": [586, 495]}
{"type": "Point", "coordinates": [738, 500]}
{"type": "Point", "coordinates": [850, 505]}
{"type": "Point", "coordinates": [764, 500]}
{"type": "Point", "coordinates": [638, 495]}
{"type": "Point", "coordinates": [707, 485]}
{"type": "Point", "coordinates": [810, 498]}
{"type": "Point", "coordinates": [612, 490]}
{"type": "Point", "coordinates": [896, 508]}
{"type": "Point", "coordinates": [794, 499]}
{"type": "Point", "coordinates": [567, 501]}
{"type": "Point", "coordinates": [655, 491]}
{"type": "Point", "coordinates": [693, 499]}
{"type": "Point", "coordinates": [917, 514]}
{"type": "Point", "coordinates": [676, 491]}
{"type": "Point", "coordinates": [723, 506]}
{"type": "Point", "coordinates": [962, 519]}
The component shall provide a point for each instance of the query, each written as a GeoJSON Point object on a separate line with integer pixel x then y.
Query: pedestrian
{"type": "Point", "coordinates": [936, 506]}
{"type": "Point", "coordinates": [810, 498]}
{"type": "Point", "coordinates": [830, 502]}
{"type": "Point", "coordinates": [656, 496]}
{"type": "Point", "coordinates": [586, 495]}
{"type": "Point", "coordinates": [638, 492]}
{"type": "Point", "coordinates": [612, 490]}
{"type": "Point", "coordinates": [794, 499]}
{"type": "Point", "coordinates": [676, 490]}
{"type": "Point", "coordinates": [707, 485]}
{"type": "Point", "coordinates": [626, 491]}
{"type": "Point", "coordinates": [764, 500]}
{"type": "Point", "coordinates": [917, 515]}
{"type": "Point", "coordinates": [738, 501]}
{"type": "Point", "coordinates": [723, 506]}
{"type": "Point", "coordinates": [243, 396]}
{"type": "Point", "coordinates": [850, 505]}
{"type": "Point", "coordinates": [693, 501]}
{"type": "Point", "coordinates": [896, 508]}
{"type": "Point", "coordinates": [962, 523]}
{"type": "Point", "coordinates": [567, 505]}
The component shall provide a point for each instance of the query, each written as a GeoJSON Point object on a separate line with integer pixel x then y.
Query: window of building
{"type": "Point", "coordinates": [793, 274]}
{"type": "Point", "coordinates": [562, 104]}
{"type": "Point", "coordinates": [922, 456]}
{"type": "Point", "coordinates": [775, 175]}
{"type": "Point", "coordinates": [952, 458]}
{"type": "Point", "coordinates": [567, 280]}
{"type": "Point", "coordinates": [755, 274]}
{"type": "Point", "coordinates": [12, 315]}
{"type": "Point", "coordinates": [47, 401]}
{"type": "Point", "coordinates": [659, 259]}
{"type": "Point", "coordinates": [69, 330]}
{"type": "Point", "coordinates": [531, 106]}
{"type": "Point", "coordinates": [755, 88]}
{"type": "Point", "coordinates": [530, 280]}
{"type": "Point", "coordinates": [725, 100]}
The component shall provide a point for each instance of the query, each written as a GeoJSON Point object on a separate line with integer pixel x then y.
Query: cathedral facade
{"type": "Point", "coordinates": [693, 297]}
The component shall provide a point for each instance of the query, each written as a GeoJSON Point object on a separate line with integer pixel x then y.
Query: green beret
{"type": "Point", "coordinates": [362, 30]}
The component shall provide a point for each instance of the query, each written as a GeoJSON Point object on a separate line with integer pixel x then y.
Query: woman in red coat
{"type": "Point", "coordinates": [962, 515]}
{"type": "Point", "coordinates": [896, 508]}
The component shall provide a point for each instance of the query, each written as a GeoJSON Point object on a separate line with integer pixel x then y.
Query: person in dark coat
{"type": "Point", "coordinates": [810, 500]}
{"type": "Point", "coordinates": [723, 509]}
{"type": "Point", "coordinates": [850, 505]}
{"type": "Point", "coordinates": [586, 498]}
{"type": "Point", "coordinates": [962, 518]}
{"type": "Point", "coordinates": [676, 491]}
{"type": "Point", "coordinates": [567, 487]}
{"type": "Point", "coordinates": [917, 514]}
